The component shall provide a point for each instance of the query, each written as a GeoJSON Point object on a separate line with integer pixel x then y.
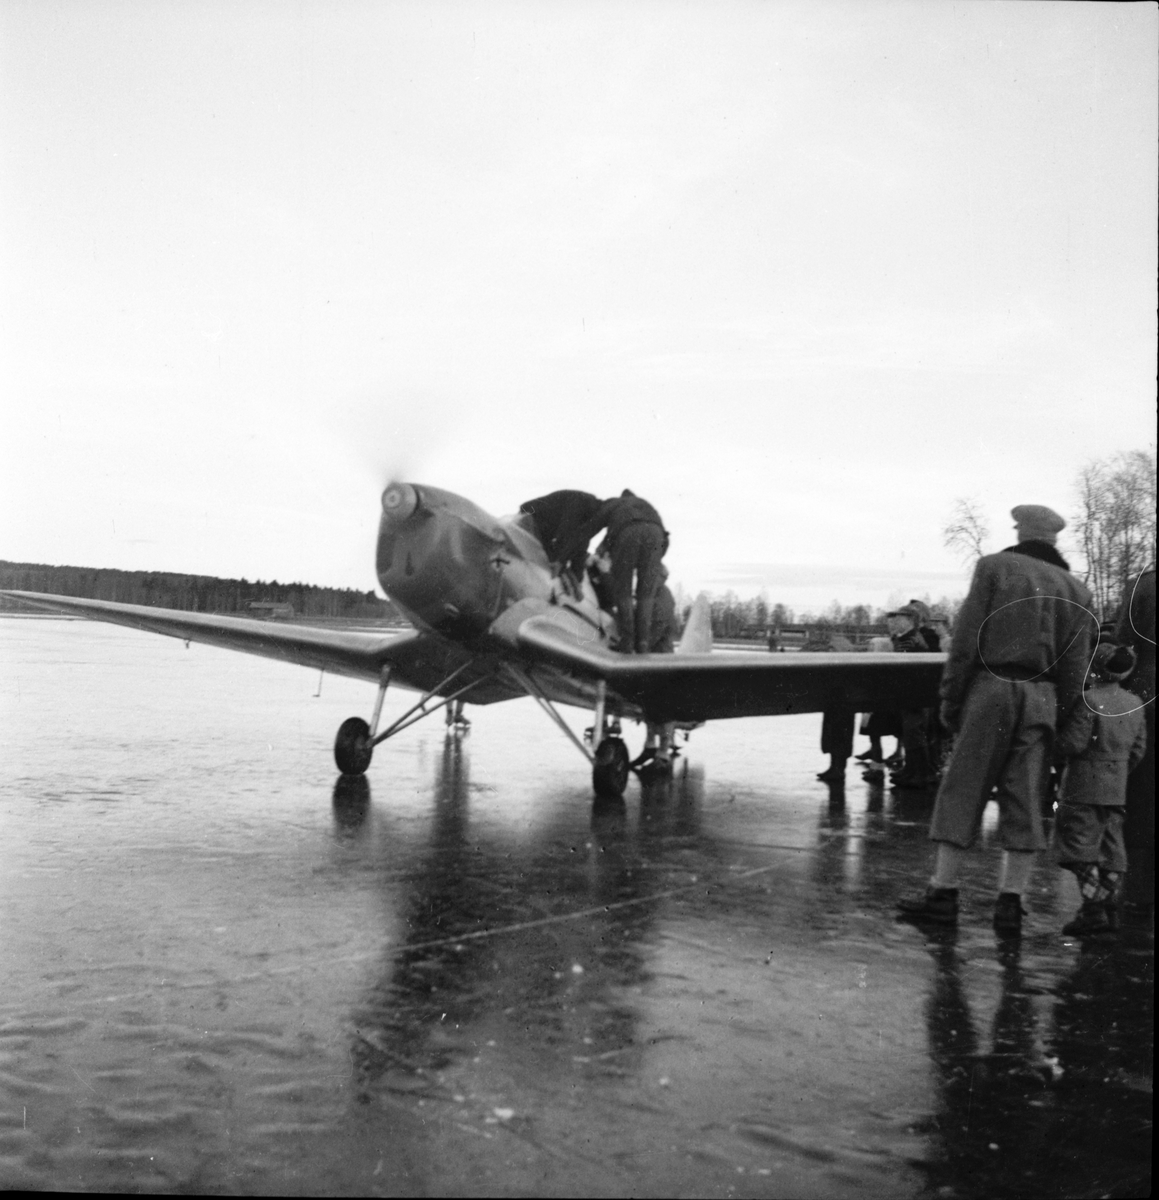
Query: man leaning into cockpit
{"type": "Point", "coordinates": [559, 517]}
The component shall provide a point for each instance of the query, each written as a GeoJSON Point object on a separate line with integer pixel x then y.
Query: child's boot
{"type": "Point", "coordinates": [1091, 919]}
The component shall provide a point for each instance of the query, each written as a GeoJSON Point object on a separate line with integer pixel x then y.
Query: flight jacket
{"type": "Point", "coordinates": [1025, 617]}
{"type": "Point", "coordinates": [615, 515]}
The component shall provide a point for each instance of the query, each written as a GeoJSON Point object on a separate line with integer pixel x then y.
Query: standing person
{"type": "Point", "coordinates": [838, 722]}
{"type": "Point", "coordinates": [1102, 738]}
{"type": "Point", "coordinates": [559, 517]}
{"type": "Point", "coordinates": [656, 757]}
{"type": "Point", "coordinates": [637, 542]}
{"type": "Point", "coordinates": [1136, 628]}
{"type": "Point", "coordinates": [908, 638]}
{"type": "Point", "coordinates": [663, 637]}
{"type": "Point", "coordinates": [904, 633]}
{"type": "Point", "coordinates": [924, 620]}
{"type": "Point", "coordinates": [836, 741]}
{"type": "Point", "coordinates": [938, 739]}
{"type": "Point", "coordinates": [938, 632]}
{"type": "Point", "coordinates": [880, 724]}
{"type": "Point", "coordinates": [1019, 654]}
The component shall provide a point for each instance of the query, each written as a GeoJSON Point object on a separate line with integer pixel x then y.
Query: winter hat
{"type": "Point", "coordinates": [921, 608]}
{"type": "Point", "coordinates": [1112, 663]}
{"type": "Point", "coordinates": [908, 610]}
{"type": "Point", "coordinates": [1037, 523]}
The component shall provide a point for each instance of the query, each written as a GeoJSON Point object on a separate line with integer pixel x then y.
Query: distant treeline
{"type": "Point", "coordinates": [733, 617]}
{"type": "Point", "coordinates": [196, 593]}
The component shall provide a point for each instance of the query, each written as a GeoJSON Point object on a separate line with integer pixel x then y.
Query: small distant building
{"type": "Point", "coordinates": [272, 610]}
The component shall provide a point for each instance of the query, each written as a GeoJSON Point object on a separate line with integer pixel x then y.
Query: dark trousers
{"type": "Point", "coordinates": [884, 724]}
{"type": "Point", "coordinates": [837, 732]}
{"type": "Point", "coordinates": [915, 737]}
{"type": "Point", "coordinates": [636, 555]}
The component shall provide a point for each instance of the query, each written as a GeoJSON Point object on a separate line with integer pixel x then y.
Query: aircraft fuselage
{"type": "Point", "coordinates": [455, 570]}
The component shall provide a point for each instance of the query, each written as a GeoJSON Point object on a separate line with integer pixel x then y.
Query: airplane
{"type": "Point", "coordinates": [491, 621]}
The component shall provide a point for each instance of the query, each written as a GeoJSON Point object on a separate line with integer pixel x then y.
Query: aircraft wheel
{"type": "Point", "coordinates": [352, 748]}
{"type": "Point", "coordinates": [610, 770]}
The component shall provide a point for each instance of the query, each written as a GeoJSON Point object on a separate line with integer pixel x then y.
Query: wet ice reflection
{"type": "Point", "coordinates": [228, 970]}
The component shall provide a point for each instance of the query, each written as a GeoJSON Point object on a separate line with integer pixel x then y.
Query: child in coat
{"type": "Point", "coordinates": [1102, 740]}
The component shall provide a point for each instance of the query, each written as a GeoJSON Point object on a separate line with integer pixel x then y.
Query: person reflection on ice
{"type": "Point", "coordinates": [1015, 1119]}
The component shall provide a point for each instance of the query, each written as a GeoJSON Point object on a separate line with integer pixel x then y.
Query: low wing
{"type": "Point", "coordinates": [417, 660]}
{"type": "Point", "coordinates": [706, 687]}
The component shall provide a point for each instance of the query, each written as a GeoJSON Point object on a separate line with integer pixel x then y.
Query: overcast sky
{"type": "Point", "coordinates": [800, 274]}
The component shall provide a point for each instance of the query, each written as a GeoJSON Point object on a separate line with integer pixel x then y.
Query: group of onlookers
{"type": "Point", "coordinates": [914, 628]}
{"type": "Point", "coordinates": [1031, 683]}
{"type": "Point", "coordinates": [1032, 691]}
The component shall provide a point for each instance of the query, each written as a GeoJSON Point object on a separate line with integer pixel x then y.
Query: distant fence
{"type": "Point", "coordinates": [796, 637]}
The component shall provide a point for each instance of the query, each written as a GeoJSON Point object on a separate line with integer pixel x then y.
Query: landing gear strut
{"type": "Point", "coordinates": [610, 759]}
{"type": "Point", "coordinates": [354, 745]}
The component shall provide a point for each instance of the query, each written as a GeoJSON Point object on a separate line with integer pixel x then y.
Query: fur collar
{"type": "Point", "coordinates": [1043, 551]}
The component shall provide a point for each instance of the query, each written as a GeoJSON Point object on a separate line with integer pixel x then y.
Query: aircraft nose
{"type": "Point", "coordinates": [399, 501]}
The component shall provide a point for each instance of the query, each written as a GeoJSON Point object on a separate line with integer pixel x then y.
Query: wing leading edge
{"type": "Point", "coordinates": [416, 660]}
{"type": "Point", "coordinates": [706, 687]}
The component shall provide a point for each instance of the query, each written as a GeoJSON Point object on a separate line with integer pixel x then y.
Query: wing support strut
{"type": "Point", "coordinates": [531, 688]}
{"type": "Point", "coordinates": [383, 681]}
{"type": "Point", "coordinates": [417, 711]}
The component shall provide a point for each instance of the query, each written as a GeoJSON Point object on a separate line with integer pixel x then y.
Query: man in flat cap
{"type": "Point", "coordinates": [1019, 655]}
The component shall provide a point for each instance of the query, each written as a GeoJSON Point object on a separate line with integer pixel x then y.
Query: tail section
{"type": "Point", "coordinates": [697, 635]}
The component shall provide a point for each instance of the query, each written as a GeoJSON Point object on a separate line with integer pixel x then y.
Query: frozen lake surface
{"type": "Point", "coordinates": [226, 969]}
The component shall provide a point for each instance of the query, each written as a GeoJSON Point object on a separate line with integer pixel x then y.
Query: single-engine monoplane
{"type": "Point", "coordinates": [491, 622]}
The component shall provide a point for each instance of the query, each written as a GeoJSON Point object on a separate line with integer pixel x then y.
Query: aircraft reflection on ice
{"type": "Point", "coordinates": [491, 623]}
{"type": "Point", "coordinates": [472, 959]}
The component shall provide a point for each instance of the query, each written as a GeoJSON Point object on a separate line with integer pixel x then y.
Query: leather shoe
{"type": "Point", "coordinates": [937, 905]}
{"type": "Point", "coordinates": [1091, 919]}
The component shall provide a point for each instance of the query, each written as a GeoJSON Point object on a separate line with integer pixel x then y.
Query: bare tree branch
{"type": "Point", "coordinates": [1115, 523]}
{"type": "Point", "coordinates": [966, 531]}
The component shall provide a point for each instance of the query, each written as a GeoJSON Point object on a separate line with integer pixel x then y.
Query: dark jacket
{"type": "Point", "coordinates": [615, 515]}
{"type": "Point", "coordinates": [911, 642]}
{"type": "Point", "coordinates": [1137, 629]}
{"type": "Point", "coordinates": [559, 517]}
{"type": "Point", "coordinates": [1025, 617]}
{"type": "Point", "coordinates": [1104, 736]}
